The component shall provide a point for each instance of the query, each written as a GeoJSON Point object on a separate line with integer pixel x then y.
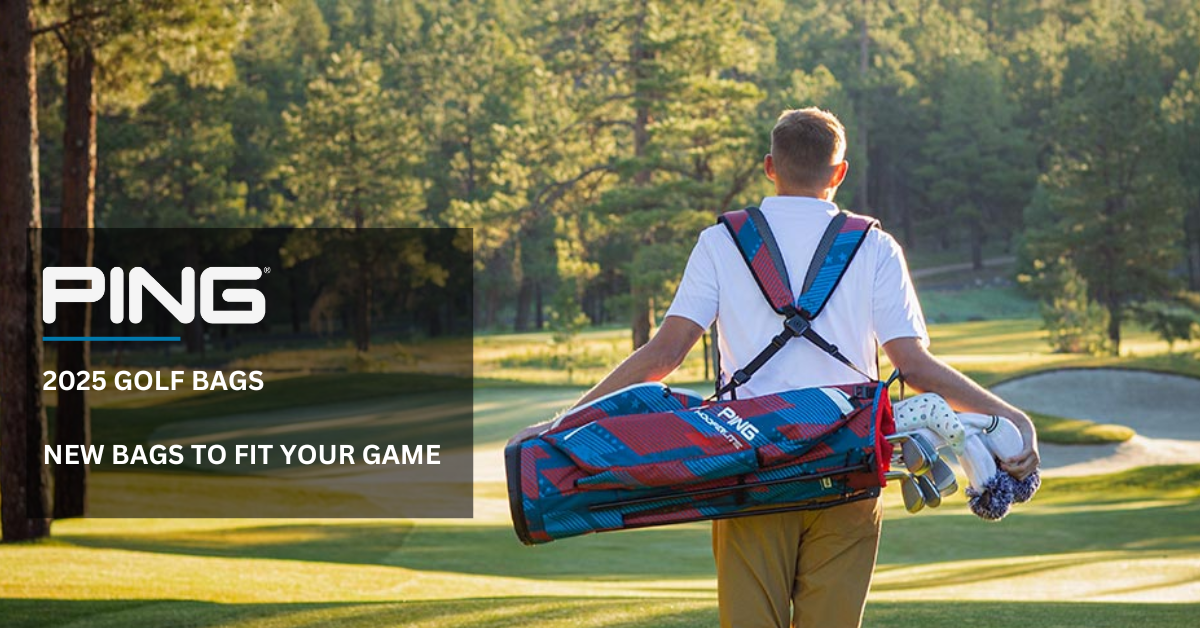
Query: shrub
{"type": "Point", "coordinates": [1075, 323]}
{"type": "Point", "coordinates": [1173, 320]}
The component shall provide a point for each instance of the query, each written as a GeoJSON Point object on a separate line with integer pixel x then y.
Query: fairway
{"type": "Point", "coordinates": [1090, 550]}
{"type": "Point", "coordinates": [1097, 551]}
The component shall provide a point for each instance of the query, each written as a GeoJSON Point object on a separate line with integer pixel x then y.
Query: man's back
{"type": "Point", "coordinates": [874, 302]}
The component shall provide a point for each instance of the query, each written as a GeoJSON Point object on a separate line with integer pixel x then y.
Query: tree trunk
{"type": "Point", "coordinates": [539, 309]}
{"type": "Point", "coordinates": [977, 239]}
{"type": "Point", "coordinates": [24, 480]}
{"type": "Point", "coordinates": [1113, 304]}
{"type": "Point", "coordinates": [641, 319]}
{"type": "Point", "coordinates": [294, 302]}
{"type": "Point", "coordinates": [906, 225]}
{"type": "Point", "coordinates": [362, 296]}
{"type": "Point", "coordinates": [73, 419]}
{"type": "Point", "coordinates": [641, 58]}
{"type": "Point", "coordinates": [491, 306]}
{"type": "Point", "coordinates": [1192, 239]}
{"type": "Point", "coordinates": [864, 51]}
{"type": "Point", "coordinates": [524, 301]}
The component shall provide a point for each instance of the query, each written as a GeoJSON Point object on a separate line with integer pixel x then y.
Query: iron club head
{"type": "Point", "coordinates": [943, 478]}
{"type": "Point", "coordinates": [929, 491]}
{"type": "Point", "coordinates": [914, 501]}
{"type": "Point", "coordinates": [916, 452]}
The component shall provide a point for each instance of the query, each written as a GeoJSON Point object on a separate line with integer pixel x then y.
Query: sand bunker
{"type": "Point", "coordinates": [1163, 409]}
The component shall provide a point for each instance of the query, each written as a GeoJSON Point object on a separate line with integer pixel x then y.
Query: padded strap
{"type": "Point", "coordinates": [822, 253]}
{"type": "Point", "coordinates": [836, 249]}
{"type": "Point", "coordinates": [774, 254]}
{"type": "Point", "coordinates": [843, 245]}
{"type": "Point", "coordinates": [764, 261]}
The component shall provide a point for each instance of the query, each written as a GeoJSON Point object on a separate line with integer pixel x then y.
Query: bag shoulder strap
{"type": "Point", "coordinates": [838, 245]}
{"type": "Point", "coordinates": [758, 247]}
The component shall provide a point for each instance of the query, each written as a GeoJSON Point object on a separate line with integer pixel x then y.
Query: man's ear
{"type": "Point", "coordinates": [769, 166]}
{"type": "Point", "coordinates": [839, 174]}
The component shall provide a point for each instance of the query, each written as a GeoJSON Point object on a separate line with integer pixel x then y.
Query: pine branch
{"type": "Point", "coordinates": [58, 27]}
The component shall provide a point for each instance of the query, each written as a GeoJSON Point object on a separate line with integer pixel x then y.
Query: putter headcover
{"type": "Point", "coordinates": [993, 491]}
{"type": "Point", "coordinates": [979, 442]}
{"type": "Point", "coordinates": [931, 412]}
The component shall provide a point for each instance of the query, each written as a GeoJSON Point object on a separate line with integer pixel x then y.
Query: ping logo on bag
{"type": "Point", "coordinates": [743, 427]}
{"type": "Point", "coordinates": [733, 440]}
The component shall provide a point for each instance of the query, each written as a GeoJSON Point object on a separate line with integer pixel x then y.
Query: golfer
{"type": "Point", "coordinates": [809, 569]}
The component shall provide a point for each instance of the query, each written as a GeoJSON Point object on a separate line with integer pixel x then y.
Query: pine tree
{"type": "Point", "coordinates": [24, 482]}
{"type": "Point", "coordinates": [353, 152]}
{"type": "Point", "coordinates": [1109, 207]}
{"type": "Point", "coordinates": [671, 85]}
{"type": "Point", "coordinates": [127, 44]}
{"type": "Point", "coordinates": [976, 161]}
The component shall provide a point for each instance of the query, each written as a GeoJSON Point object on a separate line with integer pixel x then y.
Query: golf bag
{"type": "Point", "coordinates": [648, 456]}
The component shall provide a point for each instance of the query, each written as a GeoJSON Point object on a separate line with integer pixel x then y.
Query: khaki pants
{"type": "Point", "coordinates": [818, 562]}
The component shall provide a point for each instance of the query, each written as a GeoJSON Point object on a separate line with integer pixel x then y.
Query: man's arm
{"type": "Point", "coordinates": [654, 361]}
{"type": "Point", "coordinates": [925, 372]}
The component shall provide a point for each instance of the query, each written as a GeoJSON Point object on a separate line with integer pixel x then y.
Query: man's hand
{"type": "Point", "coordinates": [925, 372]}
{"type": "Point", "coordinates": [1023, 464]}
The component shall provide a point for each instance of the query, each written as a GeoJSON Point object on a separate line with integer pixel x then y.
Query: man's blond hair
{"type": "Point", "coordinates": [806, 145]}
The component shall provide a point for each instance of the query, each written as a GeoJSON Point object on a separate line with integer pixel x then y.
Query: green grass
{"type": "Point", "coordinates": [118, 420]}
{"type": "Point", "coordinates": [574, 612]}
{"type": "Point", "coordinates": [989, 351]}
{"type": "Point", "coordinates": [976, 304]}
{"type": "Point", "coordinates": [1080, 540]}
{"type": "Point", "coordinates": [1056, 429]}
{"type": "Point", "coordinates": [921, 257]}
{"type": "Point", "coordinates": [1117, 539]}
{"type": "Point", "coordinates": [1087, 552]}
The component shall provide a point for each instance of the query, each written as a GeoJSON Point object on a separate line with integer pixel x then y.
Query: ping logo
{"type": "Point", "coordinates": [184, 309]}
{"type": "Point", "coordinates": [745, 428]}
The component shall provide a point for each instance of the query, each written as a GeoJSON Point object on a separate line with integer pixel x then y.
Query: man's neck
{"type": "Point", "coordinates": [824, 195]}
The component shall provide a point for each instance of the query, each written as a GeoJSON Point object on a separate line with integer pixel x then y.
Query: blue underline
{"type": "Point", "coordinates": [111, 338]}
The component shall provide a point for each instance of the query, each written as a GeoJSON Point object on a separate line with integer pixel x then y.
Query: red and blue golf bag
{"type": "Point", "coordinates": [648, 456]}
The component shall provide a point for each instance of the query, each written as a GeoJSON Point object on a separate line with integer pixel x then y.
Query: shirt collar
{"type": "Point", "coordinates": [797, 203]}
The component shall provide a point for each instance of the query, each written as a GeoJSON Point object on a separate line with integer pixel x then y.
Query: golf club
{"type": "Point", "coordinates": [943, 478]}
{"type": "Point", "coordinates": [928, 490]}
{"type": "Point", "coordinates": [916, 452]}
{"type": "Point", "coordinates": [914, 501]}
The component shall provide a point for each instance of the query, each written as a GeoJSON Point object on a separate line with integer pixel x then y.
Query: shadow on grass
{"type": "Point", "coordinates": [562, 612]}
{"type": "Point", "coordinates": [674, 552]}
{"type": "Point", "coordinates": [345, 543]}
{"type": "Point", "coordinates": [482, 613]}
{"type": "Point", "coordinates": [1058, 535]}
{"type": "Point", "coordinates": [502, 412]}
{"type": "Point", "coordinates": [906, 540]}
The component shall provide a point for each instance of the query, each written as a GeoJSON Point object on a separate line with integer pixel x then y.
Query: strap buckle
{"type": "Point", "coordinates": [797, 324]}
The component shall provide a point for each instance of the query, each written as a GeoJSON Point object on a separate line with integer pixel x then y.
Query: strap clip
{"type": "Point", "coordinates": [797, 324]}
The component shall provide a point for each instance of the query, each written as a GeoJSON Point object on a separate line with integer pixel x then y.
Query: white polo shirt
{"type": "Point", "coordinates": [874, 303]}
